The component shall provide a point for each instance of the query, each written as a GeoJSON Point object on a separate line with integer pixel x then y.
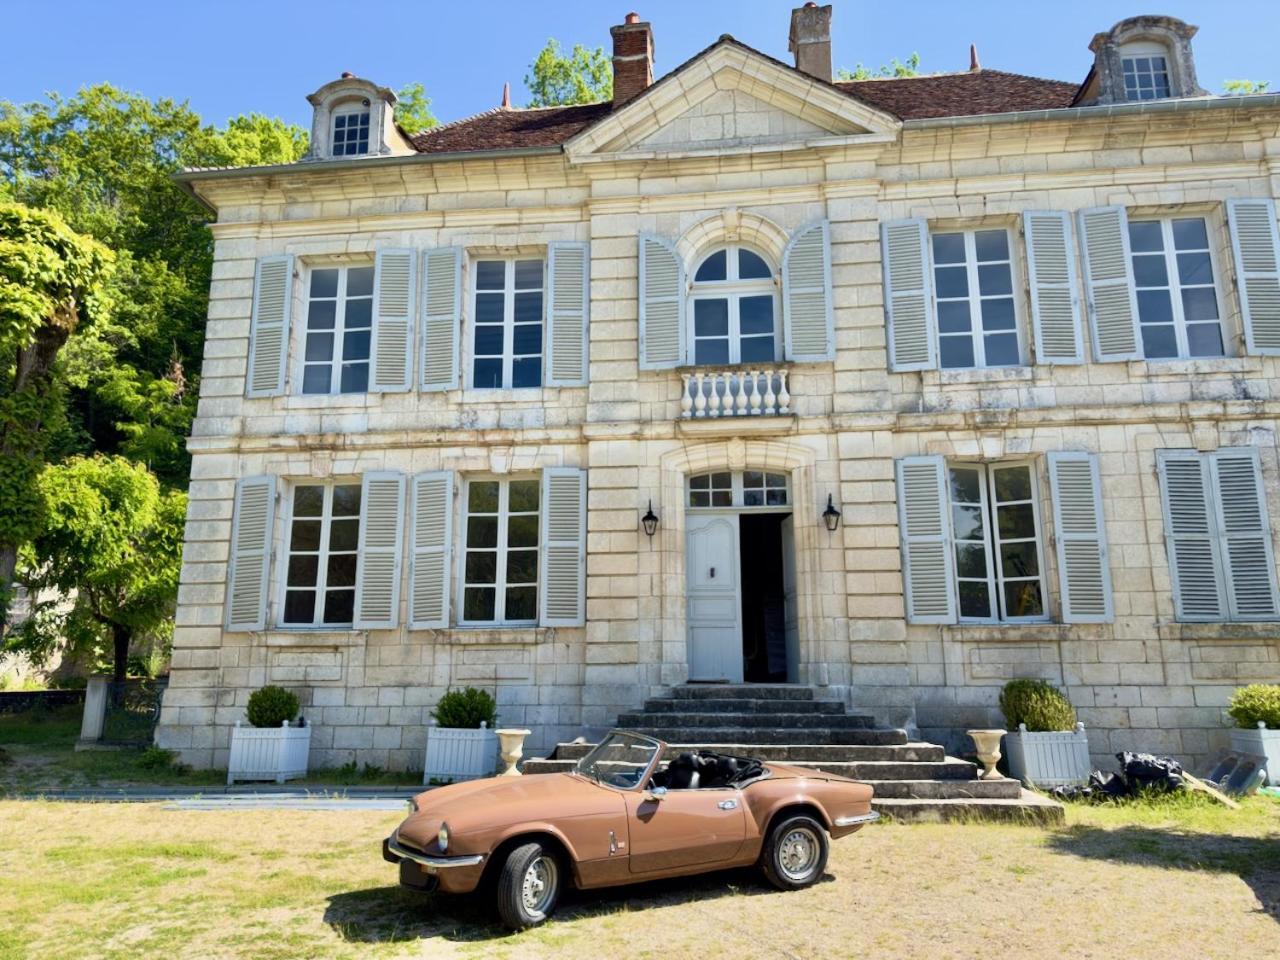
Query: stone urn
{"type": "Point", "coordinates": [987, 745]}
{"type": "Point", "coordinates": [511, 749]}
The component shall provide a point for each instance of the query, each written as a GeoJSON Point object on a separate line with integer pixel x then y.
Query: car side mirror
{"type": "Point", "coordinates": [656, 794]}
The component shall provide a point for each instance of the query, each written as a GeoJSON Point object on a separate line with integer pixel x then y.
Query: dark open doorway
{"type": "Point", "coordinates": [764, 640]}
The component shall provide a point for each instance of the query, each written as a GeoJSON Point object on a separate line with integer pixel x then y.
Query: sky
{"type": "Point", "coordinates": [233, 57]}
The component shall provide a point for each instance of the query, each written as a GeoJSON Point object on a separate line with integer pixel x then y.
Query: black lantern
{"type": "Point", "coordinates": [650, 521]}
{"type": "Point", "coordinates": [831, 516]}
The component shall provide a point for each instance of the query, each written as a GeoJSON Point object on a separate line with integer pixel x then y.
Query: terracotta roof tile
{"type": "Point", "coordinates": [961, 94]}
{"type": "Point", "coordinates": [500, 129]}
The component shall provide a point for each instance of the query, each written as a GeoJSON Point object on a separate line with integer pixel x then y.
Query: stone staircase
{"type": "Point", "coordinates": [787, 723]}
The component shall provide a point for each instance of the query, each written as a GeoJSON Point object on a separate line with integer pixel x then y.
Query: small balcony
{"type": "Point", "coordinates": [736, 392]}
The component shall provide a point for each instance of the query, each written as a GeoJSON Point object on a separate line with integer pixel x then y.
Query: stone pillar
{"type": "Point", "coordinates": [95, 712]}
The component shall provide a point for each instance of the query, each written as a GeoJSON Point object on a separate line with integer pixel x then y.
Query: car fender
{"type": "Point", "coordinates": [763, 813]}
{"type": "Point", "coordinates": [538, 826]}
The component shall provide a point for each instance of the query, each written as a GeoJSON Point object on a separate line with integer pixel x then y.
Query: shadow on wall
{"type": "Point", "coordinates": [1255, 860]}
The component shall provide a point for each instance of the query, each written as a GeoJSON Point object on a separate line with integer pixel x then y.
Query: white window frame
{"type": "Point", "coordinates": [733, 289]}
{"type": "Point", "coordinates": [1175, 285]}
{"type": "Point", "coordinates": [992, 542]}
{"type": "Point", "coordinates": [335, 360]}
{"type": "Point", "coordinates": [322, 562]}
{"type": "Point", "coordinates": [974, 299]}
{"type": "Point", "coordinates": [500, 571]}
{"type": "Point", "coordinates": [509, 292]}
{"type": "Point", "coordinates": [350, 110]}
{"type": "Point", "coordinates": [737, 492]}
{"type": "Point", "coordinates": [1130, 52]}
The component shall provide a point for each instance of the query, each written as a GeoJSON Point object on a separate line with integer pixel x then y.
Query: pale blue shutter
{"type": "Point", "coordinates": [1080, 532]}
{"type": "Point", "coordinates": [806, 295]}
{"type": "Point", "coordinates": [248, 573]}
{"type": "Point", "coordinates": [568, 312]}
{"type": "Point", "coordinates": [391, 351]}
{"type": "Point", "coordinates": [908, 295]}
{"type": "Point", "coordinates": [1051, 272]}
{"type": "Point", "coordinates": [924, 525]}
{"type": "Point", "coordinates": [563, 562]}
{"type": "Point", "coordinates": [377, 600]}
{"type": "Point", "coordinates": [661, 295]}
{"type": "Point", "coordinates": [441, 318]}
{"type": "Point", "coordinates": [431, 544]}
{"type": "Point", "coordinates": [1256, 246]}
{"type": "Point", "coordinates": [269, 326]}
{"type": "Point", "coordinates": [1108, 276]}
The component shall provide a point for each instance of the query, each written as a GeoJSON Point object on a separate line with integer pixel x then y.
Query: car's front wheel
{"type": "Point", "coordinates": [795, 852]}
{"type": "Point", "coordinates": [528, 886]}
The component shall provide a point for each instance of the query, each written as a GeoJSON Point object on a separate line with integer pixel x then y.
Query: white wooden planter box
{"type": "Point", "coordinates": [1048, 759]}
{"type": "Point", "coordinates": [1260, 743]}
{"type": "Point", "coordinates": [268, 753]}
{"type": "Point", "coordinates": [454, 754]}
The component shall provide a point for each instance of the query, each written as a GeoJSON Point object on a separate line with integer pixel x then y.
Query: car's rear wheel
{"type": "Point", "coordinates": [795, 852]}
{"type": "Point", "coordinates": [528, 886]}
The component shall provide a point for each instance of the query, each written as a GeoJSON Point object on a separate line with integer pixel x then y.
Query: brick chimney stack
{"type": "Point", "coordinates": [632, 58]}
{"type": "Point", "coordinates": [810, 40]}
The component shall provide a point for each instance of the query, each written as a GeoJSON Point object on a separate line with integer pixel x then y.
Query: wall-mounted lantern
{"type": "Point", "coordinates": [650, 521]}
{"type": "Point", "coordinates": [831, 516]}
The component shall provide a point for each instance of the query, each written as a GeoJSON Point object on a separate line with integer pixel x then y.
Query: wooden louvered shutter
{"type": "Point", "coordinates": [908, 295]}
{"type": "Point", "coordinates": [568, 309]}
{"type": "Point", "coordinates": [250, 556]}
{"type": "Point", "coordinates": [391, 357]}
{"type": "Point", "coordinates": [806, 295]}
{"type": "Point", "coordinates": [441, 318]}
{"type": "Point", "coordinates": [431, 546]}
{"type": "Point", "coordinates": [1244, 534]}
{"type": "Point", "coordinates": [1084, 569]}
{"type": "Point", "coordinates": [1108, 274]}
{"type": "Point", "coordinates": [269, 328]}
{"type": "Point", "coordinates": [1055, 303]}
{"type": "Point", "coordinates": [563, 575]}
{"type": "Point", "coordinates": [1189, 530]}
{"type": "Point", "coordinates": [924, 523]}
{"type": "Point", "coordinates": [381, 545]}
{"type": "Point", "coordinates": [661, 304]}
{"type": "Point", "coordinates": [1255, 245]}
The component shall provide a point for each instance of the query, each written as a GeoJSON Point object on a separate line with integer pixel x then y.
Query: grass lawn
{"type": "Point", "coordinates": [1159, 881]}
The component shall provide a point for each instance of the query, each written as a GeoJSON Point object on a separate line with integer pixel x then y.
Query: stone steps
{"type": "Point", "coordinates": [803, 754]}
{"type": "Point", "coordinates": [858, 736]}
{"type": "Point", "coordinates": [1029, 808]}
{"type": "Point", "coordinates": [746, 721]}
{"type": "Point", "coordinates": [743, 691]}
{"type": "Point", "coordinates": [755, 705]}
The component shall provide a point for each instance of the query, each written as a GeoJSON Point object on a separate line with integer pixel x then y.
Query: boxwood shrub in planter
{"type": "Point", "coordinates": [1045, 745]}
{"type": "Point", "coordinates": [271, 747]}
{"type": "Point", "coordinates": [1256, 712]}
{"type": "Point", "coordinates": [461, 744]}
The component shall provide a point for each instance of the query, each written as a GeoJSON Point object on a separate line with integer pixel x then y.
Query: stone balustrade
{"type": "Point", "coordinates": [740, 392]}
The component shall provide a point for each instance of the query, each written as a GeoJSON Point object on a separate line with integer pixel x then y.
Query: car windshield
{"type": "Point", "coordinates": [619, 760]}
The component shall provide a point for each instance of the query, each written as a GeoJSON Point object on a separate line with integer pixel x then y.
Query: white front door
{"type": "Point", "coordinates": [713, 597]}
{"type": "Point", "coordinates": [791, 616]}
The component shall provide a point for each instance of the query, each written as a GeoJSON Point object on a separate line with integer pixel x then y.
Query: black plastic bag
{"type": "Point", "coordinates": [1145, 771]}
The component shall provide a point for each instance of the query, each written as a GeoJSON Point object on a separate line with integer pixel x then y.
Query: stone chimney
{"type": "Point", "coordinates": [810, 40]}
{"type": "Point", "coordinates": [632, 58]}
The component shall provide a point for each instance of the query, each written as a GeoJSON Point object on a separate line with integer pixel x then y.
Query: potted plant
{"type": "Point", "coordinates": [461, 743]}
{"type": "Point", "coordinates": [1045, 745]}
{"type": "Point", "coordinates": [1256, 711]}
{"type": "Point", "coordinates": [271, 747]}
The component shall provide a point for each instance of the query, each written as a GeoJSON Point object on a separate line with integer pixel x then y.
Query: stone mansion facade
{"type": "Point", "coordinates": [899, 388]}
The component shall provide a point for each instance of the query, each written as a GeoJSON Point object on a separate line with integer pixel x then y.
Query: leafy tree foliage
{"type": "Point", "coordinates": [894, 68]}
{"type": "Point", "coordinates": [1244, 88]}
{"type": "Point", "coordinates": [581, 76]}
{"type": "Point", "coordinates": [413, 111]}
{"type": "Point", "coordinates": [113, 538]}
{"type": "Point", "coordinates": [52, 280]}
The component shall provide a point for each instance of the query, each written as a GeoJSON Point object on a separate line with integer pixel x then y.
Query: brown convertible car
{"type": "Point", "coordinates": [623, 816]}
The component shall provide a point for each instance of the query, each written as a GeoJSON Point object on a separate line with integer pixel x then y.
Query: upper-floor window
{"type": "Point", "coordinates": [739, 488]}
{"type": "Point", "coordinates": [351, 132]}
{"type": "Point", "coordinates": [500, 570]}
{"type": "Point", "coordinates": [1177, 296]}
{"type": "Point", "coordinates": [1146, 71]}
{"type": "Point", "coordinates": [507, 333]}
{"type": "Point", "coordinates": [734, 311]}
{"type": "Point", "coordinates": [973, 285]}
{"type": "Point", "coordinates": [324, 537]}
{"type": "Point", "coordinates": [339, 322]}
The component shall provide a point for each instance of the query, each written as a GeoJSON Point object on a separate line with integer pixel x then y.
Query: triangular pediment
{"type": "Point", "coordinates": [732, 99]}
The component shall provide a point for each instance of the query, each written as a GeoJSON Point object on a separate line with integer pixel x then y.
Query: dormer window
{"type": "Point", "coordinates": [1146, 71]}
{"type": "Point", "coordinates": [1141, 59]}
{"type": "Point", "coordinates": [351, 132]}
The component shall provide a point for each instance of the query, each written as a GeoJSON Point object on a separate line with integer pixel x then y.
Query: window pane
{"type": "Point", "coordinates": [957, 351]}
{"type": "Point", "coordinates": [753, 498]}
{"type": "Point", "coordinates": [998, 314]}
{"type": "Point", "coordinates": [527, 338]}
{"type": "Point", "coordinates": [1154, 306]}
{"type": "Point", "coordinates": [339, 606]}
{"type": "Point", "coordinates": [360, 281]}
{"type": "Point", "coordinates": [967, 522]}
{"type": "Point", "coordinates": [953, 316]}
{"type": "Point", "coordinates": [488, 374]}
{"type": "Point", "coordinates": [697, 499]}
{"type": "Point", "coordinates": [299, 606]}
{"type": "Point", "coordinates": [344, 535]}
{"type": "Point", "coordinates": [482, 566]}
{"type": "Point", "coordinates": [966, 486]}
{"type": "Point", "coordinates": [755, 315]}
{"type": "Point", "coordinates": [710, 318]}
{"type": "Point", "coordinates": [1195, 268]}
{"type": "Point", "coordinates": [948, 248]}
{"type": "Point", "coordinates": [489, 308]}
{"type": "Point", "coordinates": [528, 275]}
{"type": "Point", "coordinates": [714, 352]}
{"type": "Point", "coordinates": [1204, 340]}
{"type": "Point", "coordinates": [775, 498]}
{"type": "Point", "coordinates": [305, 535]}
{"type": "Point", "coordinates": [522, 531]}
{"type": "Point", "coordinates": [522, 603]}
{"type": "Point", "coordinates": [1012, 483]}
{"type": "Point", "coordinates": [324, 283]}
{"type": "Point", "coordinates": [527, 372]}
{"type": "Point", "coordinates": [482, 496]}
{"type": "Point", "coordinates": [319, 347]}
{"type": "Point", "coordinates": [342, 571]}
{"type": "Point", "coordinates": [489, 340]}
{"type": "Point", "coordinates": [308, 501]}
{"type": "Point", "coordinates": [522, 566]}
{"type": "Point", "coordinates": [1199, 303]}
{"type": "Point", "coordinates": [994, 279]}
{"type": "Point", "coordinates": [522, 496]}
{"type": "Point", "coordinates": [1190, 235]}
{"type": "Point", "coordinates": [753, 478]}
{"type": "Point", "coordinates": [1022, 599]}
{"type": "Point", "coordinates": [751, 266]}
{"type": "Point", "coordinates": [355, 345]}
{"type": "Point", "coordinates": [491, 274]}
{"type": "Point", "coordinates": [1145, 236]}
{"type": "Point", "coordinates": [482, 531]}
{"type": "Point", "coordinates": [322, 314]}
{"type": "Point", "coordinates": [757, 349]}
{"type": "Point", "coordinates": [975, 600]}
{"type": "Point", "coordinates": [952, 281]}
{"type": "Point", "coordinates": [303, 570]}
{"type": "Point", "coordinates": [713, 268]}
{"type": "Point", "coordinates": [1019, 559]}
{"type": "Point", "coordinates": [316, 379]}
{"type": "Point", "coordinates": [355, 378]}
{"type": "Point", "coordinates": [721, 498]}
{"type": "Point", "coordinates": [1016, 521]}
{"type": "Point", "coordinates": [477, 604]}
{"type": "Point", "coordinates": [346, 500]}
{"type": "Point", "coordinates": [359, 314]}
{"type": "Point", "coordinates": [971, 560]}
{"type": "Point", "coordinates": [991, 245]}
{"type": "Point", "coordinates": [1150, 271]}
{"type": "Point", "coordinates": [1002, 350]}
{"type": "Point", "coordinates": [701, 482]}
{"type": "Point", "coordinates": [528, 307]}
{"type": "Point", "coordinates": [1159, 342]}
{"type": "Point", "coordinates": [722, 480]}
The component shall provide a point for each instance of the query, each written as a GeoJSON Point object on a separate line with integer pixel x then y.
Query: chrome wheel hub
{"type": "Point", "coordinates": [539, 884]}
{"type": "Point", "coordinates": [798, 853]}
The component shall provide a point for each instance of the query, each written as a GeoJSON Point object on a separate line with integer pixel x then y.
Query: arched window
{"type": "Point", "coordinates": [350, 135]}
{"type": "Point", "coordinates": [1146, 70]}
{"type": "Point", "coordinates": [734, 309]}
{"type": "Point", "coordinates": [738, 488]}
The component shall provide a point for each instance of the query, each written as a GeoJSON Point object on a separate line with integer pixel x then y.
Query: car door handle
{"type": "Point", "coordinates": [728, 804]}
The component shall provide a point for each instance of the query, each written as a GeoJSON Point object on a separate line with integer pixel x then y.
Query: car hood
{"type": "Point", "coordinates": [478, 806]}
{"type": "Point", "coordinates": [783, 771]}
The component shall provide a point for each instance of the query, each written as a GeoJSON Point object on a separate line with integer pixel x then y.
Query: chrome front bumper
{"type": "Point", "coordinates": [857, 820]}
{"type": "Point", "coordinates": [394, 851]}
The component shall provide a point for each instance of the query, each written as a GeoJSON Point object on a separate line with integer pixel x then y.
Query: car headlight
{"type": "Point", "coordinates": [442, 837]}
{"type": "Point", "coordinates": [412, 804]}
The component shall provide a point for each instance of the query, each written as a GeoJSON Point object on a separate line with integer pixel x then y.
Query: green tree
{"type": "Point", "coordinates": [413, 109]}
{"type": "Point", "coordinates": [108, 555]}
{"type": "Point", "coordinates": [582, 76]}
{"type": "Point", "coordinates": [894, 68]}
{"type": "Point", "coordinates": [1244, 88]}
{"type": "Point", "coordinates": [52, 281]}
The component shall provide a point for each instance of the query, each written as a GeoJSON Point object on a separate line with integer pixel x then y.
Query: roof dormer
{"type": "Point", "coordinates": [1143, 58]}
{"type": "Point", "coordinates": [354, 118]}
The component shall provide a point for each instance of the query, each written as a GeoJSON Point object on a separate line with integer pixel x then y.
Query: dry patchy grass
{"type": "Point", "coordinates": [144, 881]}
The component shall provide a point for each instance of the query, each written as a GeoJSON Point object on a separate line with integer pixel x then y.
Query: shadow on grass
{"type": "Point", "coordinates": [395, 914]}
{"type": "Point", "coordinates": [1255, 860]}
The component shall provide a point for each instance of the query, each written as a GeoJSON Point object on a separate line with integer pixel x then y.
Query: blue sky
{"type": "Point", "coordinates": [236, 57]}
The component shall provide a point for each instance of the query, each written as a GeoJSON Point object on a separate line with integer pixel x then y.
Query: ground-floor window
{"type": "Point", "coordinates": [324, 537]}
{"type": "Point", "coordinates": [500, 569]}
